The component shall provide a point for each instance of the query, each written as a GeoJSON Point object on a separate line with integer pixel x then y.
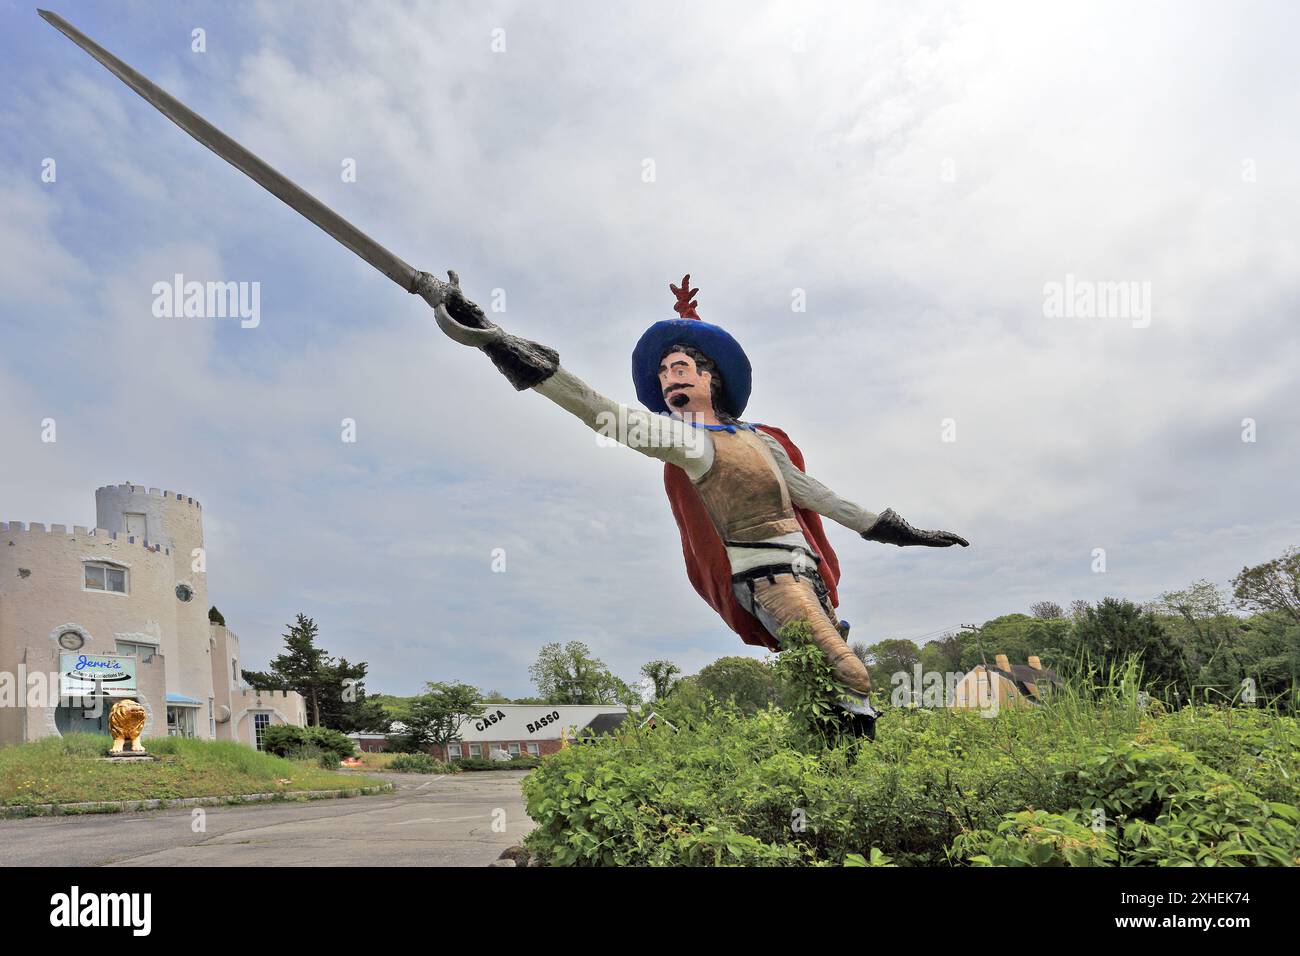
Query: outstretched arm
{"type": "Point", "coordinates": [807, 492]}
{"type": "Point", "coordinates": [886, 527]}
{"type": "Point", "coordinates": [668, 439]}
{"type": "Point", "coordinates": [529, 365]}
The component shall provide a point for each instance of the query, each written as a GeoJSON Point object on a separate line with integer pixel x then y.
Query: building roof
{"type": "Point", "coordinates": [602, 724]}
{"type": "Point", "coordinates": [1025, 678]}
{"type": "Point", "coordinates": [652, 719]}
{"type": "Point", "coordinates": [1023, 672]}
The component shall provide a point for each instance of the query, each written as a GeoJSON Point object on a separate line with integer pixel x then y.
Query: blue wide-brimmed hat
{"type": "Point", "coordinates": [714, 341]}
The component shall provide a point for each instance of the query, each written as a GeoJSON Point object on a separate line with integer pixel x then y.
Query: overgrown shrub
{"type": "Point", "coordinates": [286, 740]}
{"type": "Point", "coordinates": [417, 763]}
{"type": "Point", "coordinates": [1086, 780]}
{"type": "Point", "coordinates": [334, 741]}
{"type": "Point", "coordinates": [283, 739]}
{"type": "Point", "coordinates": [1037, 838]}
{"type": "Point", "coordinates": [521, 762]}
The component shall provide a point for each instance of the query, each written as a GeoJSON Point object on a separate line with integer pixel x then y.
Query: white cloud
{"type": "Point", "coordinates": [1104, 142]}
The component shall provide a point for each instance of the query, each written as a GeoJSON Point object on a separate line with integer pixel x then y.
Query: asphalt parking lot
{"type": "Point", "coordinates": [463, 819]}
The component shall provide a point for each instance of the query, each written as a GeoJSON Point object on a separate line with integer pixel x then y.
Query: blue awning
{"type": "Point", "coordinates": [182, 699]}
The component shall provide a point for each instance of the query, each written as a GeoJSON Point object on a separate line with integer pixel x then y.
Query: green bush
{"type": "Point", "coordinates": [285, 740]}
{"type": "Point", "coordinates": [1091, 780]}
{"type": "Point", "coordinates": [523, 761]}
{"type": "Point", "coordinates": [1037, 838]}
{"type": "Point", "coordinates": [417, 763]}
{"type": "Point", "coordinates": [310, 753]}
{"type": "Point", "coordinates": [334, 741]}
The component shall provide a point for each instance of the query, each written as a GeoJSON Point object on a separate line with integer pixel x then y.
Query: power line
{"type": "Point", "coordinates": [942, 630]}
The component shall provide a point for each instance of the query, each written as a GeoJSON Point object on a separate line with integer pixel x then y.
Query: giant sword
{"type": "Point", "coordinates": [524, 363]}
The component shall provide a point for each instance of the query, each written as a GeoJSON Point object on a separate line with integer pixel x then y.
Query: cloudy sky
{"type": "Point", "coordinates": [919, 173]}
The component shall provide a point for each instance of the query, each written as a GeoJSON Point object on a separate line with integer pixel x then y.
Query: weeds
{"type": "Point", "coordinates": [1103, 773]}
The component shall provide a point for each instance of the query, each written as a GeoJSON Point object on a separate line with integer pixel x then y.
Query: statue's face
{"type": "Point", "coordinates": [686, 389]}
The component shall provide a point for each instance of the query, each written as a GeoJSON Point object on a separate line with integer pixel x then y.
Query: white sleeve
{"type": "Point", "coordinates": [808, 492]}
{"type": "Point", "coordinates": [659, 436]}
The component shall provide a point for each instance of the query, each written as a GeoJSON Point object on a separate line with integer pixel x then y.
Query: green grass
{"type": "Point", "coordinates": [67, 770]}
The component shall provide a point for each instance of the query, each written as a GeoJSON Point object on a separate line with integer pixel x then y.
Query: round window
{"type": "Point", "coordinates": [184, 592]}
{"type": "Point", "coordinates": [72, 641]}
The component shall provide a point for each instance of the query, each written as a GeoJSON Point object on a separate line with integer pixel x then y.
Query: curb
{"type": "Point", "coordinates": [127, 806]}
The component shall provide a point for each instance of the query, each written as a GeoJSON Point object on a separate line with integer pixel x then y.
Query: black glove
{"type": "Point", "coordinates": [891, 529]}
{"type": "Point", "coordinates": [522, 362]}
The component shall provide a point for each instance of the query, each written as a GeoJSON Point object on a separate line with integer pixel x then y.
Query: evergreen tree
{"type": "Point", "coordinates": [302, 668]}
{"type": "Point", "coordinates": [333, 689]}
{"type": "Point", "coordinates": [1114, 630]}
{"type": "Point", "coordinates": [343, 700]}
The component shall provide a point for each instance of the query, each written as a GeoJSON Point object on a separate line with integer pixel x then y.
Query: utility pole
{"type": "Point", "coordinates": [979, 640]}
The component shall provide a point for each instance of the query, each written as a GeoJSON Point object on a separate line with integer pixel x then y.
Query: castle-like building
{"type": "Point", "coordinates": [91, 615]}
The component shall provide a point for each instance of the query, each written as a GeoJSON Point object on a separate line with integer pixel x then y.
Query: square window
{"type": "Point", "coordinates": [453, 751]}
{"type": "Point", "coordinates": [143, 651]}
{"type": "Point", "coordinates": [476, 750]}
{"type": "Point", "coordinates": [103, 577]}
{"type": "Point", "coordinates": [534, 750]}
{"type": "Point", "coordinates": [514, 750]}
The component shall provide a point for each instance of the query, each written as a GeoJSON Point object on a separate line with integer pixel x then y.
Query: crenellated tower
{"type": "Point", "coordinates": [175, 521]}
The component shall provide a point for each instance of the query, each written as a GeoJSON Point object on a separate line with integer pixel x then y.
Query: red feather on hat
{"type": "Point", "coordinates": [685, 305]}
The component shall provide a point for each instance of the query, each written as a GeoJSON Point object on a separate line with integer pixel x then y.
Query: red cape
{"type": "Point", "coordinates": [706, 557]}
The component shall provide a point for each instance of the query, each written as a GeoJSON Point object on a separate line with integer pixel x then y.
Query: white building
{"type": "Point", "coordinates": [515, 729]}
{"type": "Point", "coordinates": [89, 615]}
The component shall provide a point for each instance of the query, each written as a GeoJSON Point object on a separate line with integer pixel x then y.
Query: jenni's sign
{"type": "Point", "coordinates": [109, 674]}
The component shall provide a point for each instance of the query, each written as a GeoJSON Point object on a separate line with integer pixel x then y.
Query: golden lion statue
{"type": "Point", "coordinates": [125, 722]}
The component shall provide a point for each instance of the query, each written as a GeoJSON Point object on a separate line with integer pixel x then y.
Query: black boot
{"type": "Point", "coordinates": [862, 726]}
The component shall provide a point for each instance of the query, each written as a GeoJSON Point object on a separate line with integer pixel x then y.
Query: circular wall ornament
{"type": "Point", "coordinates": [184, 592]}
{"type": "Point", "coordinates": [72, 640]}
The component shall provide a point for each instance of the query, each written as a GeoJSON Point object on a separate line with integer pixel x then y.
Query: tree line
{"type": "Point", "coordinates": [1202, 642]}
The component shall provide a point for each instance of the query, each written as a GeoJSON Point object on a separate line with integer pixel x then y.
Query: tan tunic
{"type": "Point", "coordinates": [744, 492]}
